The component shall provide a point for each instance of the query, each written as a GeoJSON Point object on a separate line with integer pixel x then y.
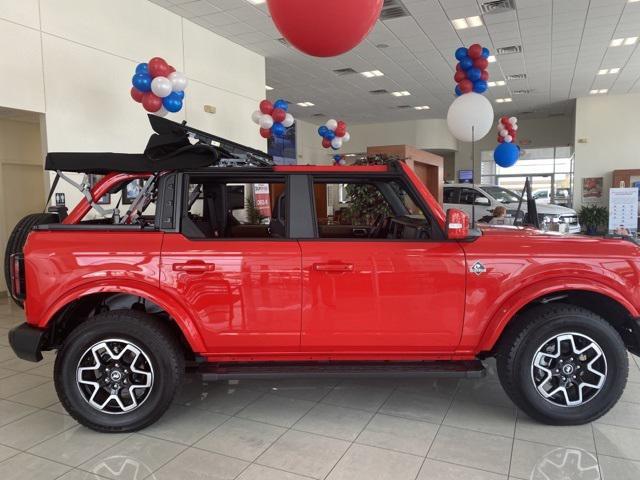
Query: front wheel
{"type": "Point", "coordinates": [563, 364]}
{"type": "Point", "coordinates": [119, 371]}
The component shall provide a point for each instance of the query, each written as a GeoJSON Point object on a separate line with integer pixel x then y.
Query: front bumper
{"type": "Point", "coordinates": [26, 341]}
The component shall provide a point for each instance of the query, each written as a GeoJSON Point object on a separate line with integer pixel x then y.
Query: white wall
{"type": "Point", "coordinates": [536, 132]}
{"type": "Point", "coordinates": [74, 60]}
{"type": "Point", "coordinates": [609, 124]}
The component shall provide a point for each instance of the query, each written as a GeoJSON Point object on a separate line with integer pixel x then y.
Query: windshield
{"type": "Point", "coordinates": [502, 195]}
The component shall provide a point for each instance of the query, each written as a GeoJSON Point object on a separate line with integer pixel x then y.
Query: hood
{"type": "Point", "coordinates": [545, 209]}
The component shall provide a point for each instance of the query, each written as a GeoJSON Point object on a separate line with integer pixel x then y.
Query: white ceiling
{"type": "Point", "coordinates": [564, 44]}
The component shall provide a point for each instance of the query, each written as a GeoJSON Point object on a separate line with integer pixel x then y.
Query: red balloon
{"type": "Point", "coordinates": [151, 102]}
{"type": "Point", "coordinates": [158, 67]}
{"type": "Point", "coordinates": [475, 51]}
{"type": "Point", "coordinates": [341, 130]}
{"type": "Point", "coordinates": [459, 76]}
{"type": "Point", "coordinates": [266, 107]}
{"type": "Point", "coordinates": [484, 75]}
{"type": "Point", "coordinates": [481, 63]}
{"type": "Point", "coordinates": [171, 69]}
{"type": "Point", "coordinates": [466, 86]}
{"type": "Point", "coordinates": [327, 28]}
{"type": "Point", "coordinates": [459, 68]}
{"type": "Point", "coordinates": [505, 120]}
{"type": "Point", "coordinates": [265, 132]}
{"type": "Point", "coordinates": [326, 143]}
{"type": "Point", "coordinates": [136, 94]}
{"type": "Point", "coordinates": [278, 115]}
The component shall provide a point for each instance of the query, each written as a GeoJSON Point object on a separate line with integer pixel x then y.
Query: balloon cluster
{"type": "Point", "coordinates": [159, 87]}
{"type": "Point", "coordinates": [339, 160]}
{"type": "Point", "coordinates": [471, 71]}
{"type": "Point", "coordinates": [507, 153]}
{"type": "Point", "coordinates": [334, 134]}
{"type": "Point", "coordinates": [273, 118]}
{"type": "Point", "coordinates": [507, 129]}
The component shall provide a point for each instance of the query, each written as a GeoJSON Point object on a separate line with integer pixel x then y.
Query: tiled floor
{"type": "Point", "coordinates": [301, 429]}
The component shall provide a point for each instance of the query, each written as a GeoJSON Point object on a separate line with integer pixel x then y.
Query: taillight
{"type": "Point", "coordinates": [18, 282]}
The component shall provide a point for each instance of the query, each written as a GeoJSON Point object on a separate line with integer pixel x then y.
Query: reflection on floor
{"type": "Point", "coordinates": [301, 429]}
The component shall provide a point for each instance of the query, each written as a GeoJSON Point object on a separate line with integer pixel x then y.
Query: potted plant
{"type": "Point", "coordinates": [593, 217]}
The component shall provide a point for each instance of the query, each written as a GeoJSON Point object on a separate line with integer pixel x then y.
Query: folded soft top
{"type": "Point", "coordinates": [169, 148]}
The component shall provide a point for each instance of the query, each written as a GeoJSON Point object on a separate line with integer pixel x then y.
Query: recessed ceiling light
{"type": "Point", "coordinates": [604, 71]}
{"type": "Point", "coordinates": [603, 90]}
{"type": "Point", "coordinates": [403, 93]}
{"type": "Point", "coordinates": [256, 2]}
{"type": "Point", "coordinates": [268, 88]}
{"type": "Point", "coordinates": [616, 42]}
{"type": "Point", "coordinates": [372, 73]}
{"type": "Point", "coordinates": [503, 100]}
{"type": "Point", "coordinates": [613, 71]}
{"type": "Point", "coordinates": [467, 22]}
{"type": "Point", "coordinates": [501, 83]}
{"type": "Point", "coordinates": [596, 91]}
{"type": "Point", "coordinates": [593, 92]}
{"type": "Point", "coordinates": [491, 58]}
{"type": "Point", "coordinates": [423, 107]}
{"type": "Point", "coordinates": [630, 40]}
{"type": "Point", "coordinates": [305, 104]}
{"type": "Point", "coordinates": [634, 1]}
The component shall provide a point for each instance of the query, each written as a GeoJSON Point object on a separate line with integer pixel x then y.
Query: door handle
{"type": "Point", "coordinates": [194, 267]}
{"type": "Point", "coordinates": [333, 267]}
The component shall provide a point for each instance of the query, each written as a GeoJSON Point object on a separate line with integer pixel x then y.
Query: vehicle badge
{"type": "Point", "coordinates": [478, 268]}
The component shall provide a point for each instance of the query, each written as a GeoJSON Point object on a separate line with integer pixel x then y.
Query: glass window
{"type": "Point", "coordinates": [502, 195]}
{"type": "Point", "coordinates": [383, 209]}
{"type": "Point", "coordinates": [450, 195]}
{"type": "Point", "coordinates": [235, 210]}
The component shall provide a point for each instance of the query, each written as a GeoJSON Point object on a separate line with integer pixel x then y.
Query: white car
{"type": "Point", "coordinates": [561, 196]}
{"type": "Point", "coordinates": [484, 198]}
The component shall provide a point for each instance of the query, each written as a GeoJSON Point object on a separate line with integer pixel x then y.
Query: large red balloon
{"type": "Point", "coordinates": [475, 51]}
{"type": "Point", "coordinates": [326, 143]}
{"type": "Point", "coordinates": [466, 86]}
{"type": "Point", "coordinates": [481, 63]}
{"type": "Point", "coordinates": [151, 102]}
{"type": "Point", "coordinates": [265, 132]}
{"type": "Point", "coordinates": [484, 75]}
{"type": "Point", "coordinates": [278, 115]}
{"type": "Point", "coordinates": [266, 107]}
{"type": "Point", "coordinates": [459, 76]}
{"type": "Point", "coordinates": [158, 67]}
{"type": "Point", "coordinates": [324, 28]}
{"type": "Point", "coordinates": [136, 94]}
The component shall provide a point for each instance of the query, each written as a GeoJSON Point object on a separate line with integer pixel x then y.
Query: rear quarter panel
{"type": "Point", "coordinates": [526, 265]}
{"type": "Point", "coordinates": [63, 265]}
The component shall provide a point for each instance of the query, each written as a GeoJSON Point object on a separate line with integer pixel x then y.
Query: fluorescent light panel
{"type": "Point", "coordinates": [466, 22]}
{"type": "Point", "coordinates": [256, 2]}
{"type": "Point", "coordinates": [499, 83]}
{"type": "Point", "coordinates": [268, 88]}
{"type": "Point", "coordinates": [305, 104]}
{"type": "Point", "coordinates": [403, 93]}
{"type": "Point", "coordinates": [618, 42]}
{"type": "Point", "coordinates": [372, 73]}
{"type": "Point", "coordinates": [596, 91]}
{"type": "Point", "coordinates": [491, 59]}
{"type": "Point", "coordinates": [503, 100]}
{"type": "Point", "coordinates": [423, 107]}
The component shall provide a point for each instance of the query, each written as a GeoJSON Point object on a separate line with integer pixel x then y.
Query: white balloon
{"type": "Point", "coordinates": [256, 116]}
{"type": "Point", "coordinates": [332, 125]}
{"type": "Point", "coordinates": [508, 139]}
{"type": "Point", "coordinates": [501, 128]}
{"type": "Point", "coordinates": [503, 133]}
{"type": "Point", "coordinates": [336, 142]}
{"type": "Point", "coordinates": [468, 111]}
{"type": "Point", "coordinates": [163, 112]}
{"type": "Point", "coordinates": [179, 81]}
{"type": "Point", "coordinates": [514, 127]}
{"type": "Point", "coordinates": [161, 86]}
{"type": "Point", "coordinates": [288, 120]}
{"type": "Point", "coordinates": [266, 121]}
{"type": "Point", "coordinates": [513, 120]}
{"type": "Point", "coordinates": [346, 137]}
{"type": "Point", "coordinates": [342, 162]}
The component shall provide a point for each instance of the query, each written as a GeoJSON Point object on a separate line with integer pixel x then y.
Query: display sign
{"type": "Point", "coordinates": [465, 176]}
{"type": "Point", "coordinates": [623, 211]}
{"type": "Point", "coordinates": [592, 190]}
{"type": "Point", "coordinates": [262, 198]}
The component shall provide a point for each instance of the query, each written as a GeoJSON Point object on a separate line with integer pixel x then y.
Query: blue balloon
{"type": "Point", "coordinates": [485, 52]}
{"type": "Point", "coordinates": [466, 63]}
{"type": "Point", "coordinates": [480, 86]}
{"type": "Point", "coordinates": [278, 129]}
{"type": "Point", "coordinates": [329, 134]}
{"type": "Point", "coordinates": [142, 81]}
{"type": "Point", "coordinates": [142, 68]}
{"type": "Point", "coordinates": [458, 91]}
{"type": "Point", "coordinates": [506, 154]}
{"type": "Point", "coordinates": [461, 53]}
{"type": "Point", "coordinates": [180, 94]}
{"type": "Point", "coordinates": [322, 131]}
{"type": "Point", "coordinates": [337, 158]}
{"type": "Point", "coordinates": [281, 104]}
{"type": "Point", "coordinates": [474, 74]}
{"type": "Point", "coordinates": [172, 102]}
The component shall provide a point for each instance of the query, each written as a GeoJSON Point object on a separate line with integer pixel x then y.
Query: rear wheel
{"type": "Point", "coordinates": [119, 371]}
{"type": "Point", "coordinates": [563, 365]}
{"type": "Point", "coordinates": [18, 237]}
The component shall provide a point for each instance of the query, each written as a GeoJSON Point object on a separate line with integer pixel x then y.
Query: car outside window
{"type": "Point", "coordinates": [502, 195]}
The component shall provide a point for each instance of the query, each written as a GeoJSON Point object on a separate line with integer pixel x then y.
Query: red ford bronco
{"type": "Point", "coordinates": [240, 269]}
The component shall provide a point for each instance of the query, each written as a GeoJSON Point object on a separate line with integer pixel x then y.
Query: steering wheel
{"type": "Point", "coordinates": [381, 222]}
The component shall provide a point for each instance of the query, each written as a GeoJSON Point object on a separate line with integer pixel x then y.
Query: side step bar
{"type": "Point", "coordinates": [253, 370]}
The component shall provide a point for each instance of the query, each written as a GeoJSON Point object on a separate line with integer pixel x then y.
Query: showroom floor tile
{"type": "Point", "coordinates": [299, 429]}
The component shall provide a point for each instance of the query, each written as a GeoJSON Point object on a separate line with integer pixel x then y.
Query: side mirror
{"type": "Point", "coordinates": [457, 226]}
{"type": "Point", "coordinates": [482, 201]}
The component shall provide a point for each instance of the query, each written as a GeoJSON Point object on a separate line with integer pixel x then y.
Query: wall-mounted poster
{"type": "Point", "coordinates": [592, 190]}
{"type": "Point", "coordinates": [623, 211]}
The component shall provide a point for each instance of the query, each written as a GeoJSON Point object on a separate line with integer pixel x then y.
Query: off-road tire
{"type": "Point", "coordinates": [153, 337]}
{"type": "Point", "coordinates": [18, 238]}
{"type": "Point", "coordinates": [520, 343]}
